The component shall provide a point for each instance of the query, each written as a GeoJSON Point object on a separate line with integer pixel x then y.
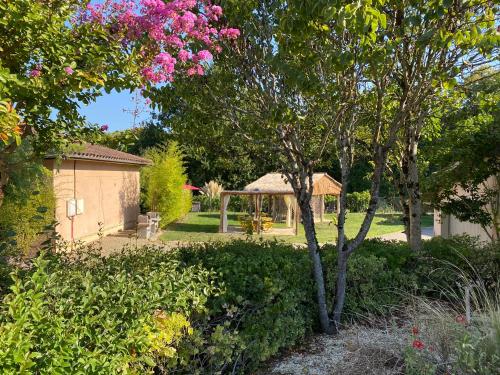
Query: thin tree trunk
{"type": "Point", "coordinates": [4, 178]}
{"type": "Point", "coordinates": [401, 186]}
{"type": "Point", "coordinates": [312, 244]}
{"type": "Point", "coordinates": [341, 287]}
{"type": "Point", "coordinates": [342, 255]}
{"type": "Point", "coordinates": [414, 195]}
{"type": "Point", "coordinates": [344, 248]}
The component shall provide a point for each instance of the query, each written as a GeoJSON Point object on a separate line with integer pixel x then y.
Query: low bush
{"type": "Point", "coordinates": [358, 201]}
{"type": "Point", "coordinates": [268, 295]}
{"type": "Point", "coordinates": [218, 308]}
{"type": "Point", "coordinates": [207, 203]}
{"type": "Point", "coordinates": [377, 277]}
{"type": "Point", "coordinates": [442, 258]}
{"type": "Point", "coordinates": [26, 212]}
{"type": "Point", "coordinates": [208, 308]}
{"type": "Point", "coordinates": [122, 314]}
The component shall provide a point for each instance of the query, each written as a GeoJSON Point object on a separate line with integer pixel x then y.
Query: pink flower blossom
{"type": "Point", "coordinates": [184, 55]}
{"type": "Point", "coordinates": [204, 55]}
{"type": "Point", "coordinates": [229, 33]}
{"type": "Point", "coordinates": [104, 128]}
{"type": "Point", "coordinates": [68, 70]}
{"type": "Point", "coordinates": [191, 72]}
{"type": "Point", "coordinates": [35, 73]}
{"type": "Point", "coordinates": [217, 10]}
{"type": "Point", "coordinates": [148, 101]}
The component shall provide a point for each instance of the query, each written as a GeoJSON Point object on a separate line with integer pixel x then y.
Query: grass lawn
{"type": "Point", "coordinates": [204, 226]}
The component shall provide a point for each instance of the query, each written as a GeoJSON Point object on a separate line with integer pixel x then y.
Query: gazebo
{"type": "Point", "coordinates": [280, 199]}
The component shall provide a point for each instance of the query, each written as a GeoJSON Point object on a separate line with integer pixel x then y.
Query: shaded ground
{"type": "Point", "coordinates": [357, 350]}
{"type": "Point", "coordinates": [204, 226]}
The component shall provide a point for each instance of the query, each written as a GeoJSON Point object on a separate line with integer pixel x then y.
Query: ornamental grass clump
{"type": "Point", "coordinates": [459, 335]}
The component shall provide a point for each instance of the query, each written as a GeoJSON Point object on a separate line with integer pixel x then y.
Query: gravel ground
{"type": "Point", "coordinates": [356, 350]}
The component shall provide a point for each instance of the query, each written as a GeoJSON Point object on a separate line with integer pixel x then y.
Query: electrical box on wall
{"type": "Point", "coordinates": [71, 207]}
{"type": "Point", "coordinates": [79, 206]}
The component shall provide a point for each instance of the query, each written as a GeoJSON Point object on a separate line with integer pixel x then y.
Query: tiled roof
{"type": "Point", "coordinates": [101, 153]}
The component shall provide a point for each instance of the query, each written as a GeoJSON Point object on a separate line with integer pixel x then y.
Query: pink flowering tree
{"type": "Point", "coordinates": [58, 54]}
{"type": "Point", "coordinates": [163, 38]}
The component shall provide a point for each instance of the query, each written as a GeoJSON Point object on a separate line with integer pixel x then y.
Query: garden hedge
{"type": "Point", "coordinates": [211, 308]}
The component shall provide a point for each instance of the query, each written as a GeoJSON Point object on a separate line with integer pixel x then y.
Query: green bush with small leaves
{"type": "Point", "coordinates": [206, 308]}
{"type": "Point", "coordinates": [268, 295]}
{"type": "Point", "coordinates": [358, 201]}
{"type": "Point", "coordinates": [27, 211]}
{"type": "Point", "coordinates": [377, 277]}
{"type": "Point", "coordinates": [125, 313]}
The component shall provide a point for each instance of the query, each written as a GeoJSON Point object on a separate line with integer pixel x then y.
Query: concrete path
{"type": "Point", "coordinates": [427, 234]}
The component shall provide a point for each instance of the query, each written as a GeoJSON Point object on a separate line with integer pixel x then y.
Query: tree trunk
{"type": "Point", "coordinates": [401, 186]}
{"type": "Point", "coordinates": [312, 244]}
{"type": "Point", "coordinates": [342, 255]}
{"type": "Point", "coordinates": [414, 195]}
{"type": "Point", "coordinates": [345, 248]}
{"type": "Point", "coordinates": [4, 178]}
{"type": "Point", "coordinates": [341, 287]}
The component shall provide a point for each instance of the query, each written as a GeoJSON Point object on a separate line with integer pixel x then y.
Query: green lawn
{"type": "Point", "coordinates": [204, 226]}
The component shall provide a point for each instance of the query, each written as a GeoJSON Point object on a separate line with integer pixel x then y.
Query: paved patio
{"type": "Point", "coordinates": [427, 234]}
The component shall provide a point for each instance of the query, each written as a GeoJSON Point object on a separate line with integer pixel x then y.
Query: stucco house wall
{"type": "Point", "coordinates": [110, 192]}
{"type": "Point", "coordinates": [448, 225]}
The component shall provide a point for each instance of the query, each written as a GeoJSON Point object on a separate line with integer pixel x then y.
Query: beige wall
{"type": "Point", "coordinates": [110, 193]}
{"type": "Point", "coordinates": [449, 225]}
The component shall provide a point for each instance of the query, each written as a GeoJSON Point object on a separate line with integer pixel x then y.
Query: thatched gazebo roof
{"type": "Point", "coordinates": [275, 183]}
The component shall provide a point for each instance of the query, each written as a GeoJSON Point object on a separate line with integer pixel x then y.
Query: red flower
{"type": "Point", "coordinates": [461, 319]}
{"type": "Point", "coordinates": [414, 330]}
{"type": "Point", "coordinates": [417, 344]}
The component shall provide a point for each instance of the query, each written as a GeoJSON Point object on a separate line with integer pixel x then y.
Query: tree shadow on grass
{"type": "Point", "coordinates": [390, 219]}
{"type": "Point", "coordinates": [211, 215]}
{"type": "Point", "coordinates": [189, 227]}
{"type": "Point", "coordinates": [205, 226]}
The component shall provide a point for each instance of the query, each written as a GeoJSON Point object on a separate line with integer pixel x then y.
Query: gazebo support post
{"type": "Point", "coordinates": [297, 217]}
{"type": "Point", "coordinates": [224, 201]}
{"type": "Point", "coordinates": [322, 207]}
{"type": "Point", "coordinates": [221, 217]}
{"type": "Point", "coordinates": [258, 212]}
{"type": "Point", "coordinates": [288, 213]}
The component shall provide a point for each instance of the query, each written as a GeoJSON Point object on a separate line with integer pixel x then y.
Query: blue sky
{"type": "Point", "coordinates": [109, 109]}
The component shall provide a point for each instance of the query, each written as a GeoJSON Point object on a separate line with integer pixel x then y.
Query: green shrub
{"type": "Point", "coordinates": [207, 204]}
{"type": "Point", "coordinates": [203, 309]}
{"type": "Point", "coordinates": [26, 212]}
{"type": "Point", "coordinates": [268, 295]}
{"type": "Point", "coordinates": [358, 201]}
{"type": "Point", "coordinates": [377, 277]}
{"type": "Point", "coordinates": [163, 183]}
{"type": "Point", "coordinates": [125, 313]}
{"type": "Point", "coordinates": [238, 203]}
{"type": "Point", "coordinates": [442, 259]}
